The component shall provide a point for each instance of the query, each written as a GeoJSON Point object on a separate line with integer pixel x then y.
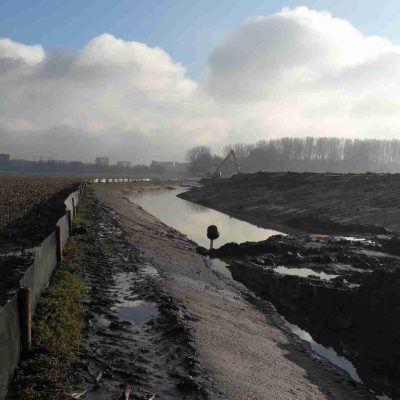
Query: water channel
{"type": "Point", "coordinates": [192, 220]}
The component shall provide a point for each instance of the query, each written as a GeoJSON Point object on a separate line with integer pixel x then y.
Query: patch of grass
{"type": "Point", "coordinates": [84, 209]}
{"type": "Point", "coordinates": [108, 244]}
{"type": "Point", "coordinates": [57, 332]}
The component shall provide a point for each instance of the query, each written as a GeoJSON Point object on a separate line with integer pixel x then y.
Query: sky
{"type": "Point", "coordinates": [148, 79]}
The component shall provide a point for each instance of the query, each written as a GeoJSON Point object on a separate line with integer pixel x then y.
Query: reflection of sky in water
{"type": "Point", "coordinates": [304, 272]}
{"type": "Point", "coordinates": [323, 351]}
{"type": "Point", "coordinates": [193, 219]}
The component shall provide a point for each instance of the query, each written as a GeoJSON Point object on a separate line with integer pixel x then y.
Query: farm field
{"type": "Point", "coordinates": [19, 194]}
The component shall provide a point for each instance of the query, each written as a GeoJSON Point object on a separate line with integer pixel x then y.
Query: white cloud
{"type": "Point", "coordinates": [10, 50]}
{"type": "Point", "coordinates": [305, 72]}
{"type": "Point", "coordinates": [297, 72]}
{"type": "Point", "coordinates": [132, 99]}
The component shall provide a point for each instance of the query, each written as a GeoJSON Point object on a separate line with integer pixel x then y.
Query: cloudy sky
{"type": "Point", "coordinates": [147, 79]}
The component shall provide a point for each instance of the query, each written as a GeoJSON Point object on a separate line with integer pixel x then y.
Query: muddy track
{"type": "Point", "coordinates": [137, 335]}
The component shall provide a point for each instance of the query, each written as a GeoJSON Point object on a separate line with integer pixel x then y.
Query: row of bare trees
{"type": "Point", "coordinates": [319, 155]}
{"type": "Point", "coordinates": [307, 154]}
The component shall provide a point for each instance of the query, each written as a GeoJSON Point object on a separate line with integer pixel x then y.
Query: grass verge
{"type": "Point", "coordinates": [57, 328]}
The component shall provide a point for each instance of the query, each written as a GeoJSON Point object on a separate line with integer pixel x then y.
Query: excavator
{"type": "Point", "coordinates": [215, 173]}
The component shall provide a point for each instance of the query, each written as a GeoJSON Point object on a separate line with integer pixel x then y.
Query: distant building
{"type": "Point", "coordinates": [103, 161]}
{"type": "Point", "coordinates": [4, 161]}
{"type": "Point", "coordinates": [167, 165]}
{"type": "Point", "coordinates": [125, 164]}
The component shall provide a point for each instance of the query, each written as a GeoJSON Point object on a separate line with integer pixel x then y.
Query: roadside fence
{"type": "Point", "coordinates": [122, 180]}
{"type": "Point", "coordinates": [16, 315]}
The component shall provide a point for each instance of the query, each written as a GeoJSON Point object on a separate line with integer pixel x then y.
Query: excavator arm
{"type": "Point", "coordinates": [215, 173]}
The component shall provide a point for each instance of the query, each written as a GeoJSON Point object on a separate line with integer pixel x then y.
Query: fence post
{"type": "Point", "coordinates": [73, 208]}
{"type": "Point", "coordinates": [69, 214]}
{"type": "Point", "coordinates": [59, 249]}
{"type": "Point", "coordinates": [25, 319]}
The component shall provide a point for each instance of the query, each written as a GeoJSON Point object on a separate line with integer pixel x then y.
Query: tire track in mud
{"type": "Point", "coordinates": [137, 335]}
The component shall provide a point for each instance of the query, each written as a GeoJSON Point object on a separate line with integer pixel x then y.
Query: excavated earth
{"type": "Point", "coordinates": [307, 202]}
{"type": "Point", "coordinates": [355, 307]}
{"type": "Point", "coordinates": [343, 291]}
{"type": "Point", "coordinates": [210, 337]}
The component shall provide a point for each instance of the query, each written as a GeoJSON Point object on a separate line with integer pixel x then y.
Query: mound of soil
{"type": "Point", "coordinates": [357, 313]}
{"type": "Point", "coordinates": [307, 202]}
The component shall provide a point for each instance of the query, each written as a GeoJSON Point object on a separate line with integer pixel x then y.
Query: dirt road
{"type": "Point", "coordinates": [239, 340]}
{"type": "Point", "coordinates": [305, 202]}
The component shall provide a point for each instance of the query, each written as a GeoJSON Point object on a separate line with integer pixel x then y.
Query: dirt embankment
{"type": "Point", "coordinates": [240, 340]}
{"type": "Point", "coordinates": [307, 202]}
{"type": "Point", "coordinates": [342, 291]}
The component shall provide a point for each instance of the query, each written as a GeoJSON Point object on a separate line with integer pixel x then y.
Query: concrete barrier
{"type": "Point", "coordinates": [10, 343]}
{"type": "Point", "coordinates": [36, 278]}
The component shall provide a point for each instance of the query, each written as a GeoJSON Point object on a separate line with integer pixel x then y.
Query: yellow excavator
{"type": "Point", "coordinates": [215, 173]}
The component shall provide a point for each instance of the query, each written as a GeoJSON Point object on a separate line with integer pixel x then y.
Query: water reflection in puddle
{"type": "Point", "coordinates": [325, 352]}
{"type": "Point", "coordinates": [303, 272]}
{"type": "Point", "coordinates": [149, 270]}
{"type": "Point", "coordinates": [138, 311]}
{"type": "Point", "coordinates": [330, 354]}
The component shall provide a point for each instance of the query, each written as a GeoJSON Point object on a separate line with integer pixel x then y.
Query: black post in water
{"type": "Point", "coordinates": [212, 234]}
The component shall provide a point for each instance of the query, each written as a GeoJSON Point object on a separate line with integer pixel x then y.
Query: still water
{"type": "Point", "coordinates": [193, 220]}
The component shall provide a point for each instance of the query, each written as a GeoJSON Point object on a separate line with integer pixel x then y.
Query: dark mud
{"type": "Point", "coordinates": [19, 239]}
{"type": "Point", "coordinates": [31, 229]}
{"type": "Point", "coordinates": [352, 307]}
{"type": "Point", "coordinates": [307, 202]}
{"type": "Point", "coordinates": [137, 335]}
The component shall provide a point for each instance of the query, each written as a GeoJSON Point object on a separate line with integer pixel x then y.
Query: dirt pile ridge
{"type": "Point", "coordinates": [241, 341]}
{"type": "Point", "coordinates": [307, 202]}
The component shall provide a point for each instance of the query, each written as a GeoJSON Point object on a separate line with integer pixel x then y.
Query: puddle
{"type": "Point", "coordinates": [379, 254]}
{"type": "Point", "coordinates": [149, 270]}
{"type": "Point", "coordinates": [354, 239]}
{"type": "Point", "coordinates": [325, 352]}
{"type": "Point", "coordinates": [303, 272]}
{"type": "Point", "coordinates": [137, 311]}
{"type": "Point", "coordinates": [330, 354]}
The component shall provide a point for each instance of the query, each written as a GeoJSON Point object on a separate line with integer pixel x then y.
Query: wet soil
{"type": "Point", "coordinates": [307, 202]}
{"type": "Point", "coordinates": [137, 335]}
{"type": "Point", "coordinates": [19, 239]}
{"type": "Point", "coordinates": [243, 347]}
{"type": "Point", "coordinates": [350, 302]}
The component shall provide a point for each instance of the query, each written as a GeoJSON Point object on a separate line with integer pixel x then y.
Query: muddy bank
{"type": "Point", "coordinates": [137, 335]}
{"type": "Point", "coordinates": [306, 202]}
{"type": "Point", "coordinates": [344, 292]}
{"type": "Point", "coordinates": [240, 340]}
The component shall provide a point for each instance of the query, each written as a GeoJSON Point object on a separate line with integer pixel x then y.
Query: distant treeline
{"type": "Point", "coordinates": [325, 154]}
{"type": "Point", "coordinates": [320, 155]}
